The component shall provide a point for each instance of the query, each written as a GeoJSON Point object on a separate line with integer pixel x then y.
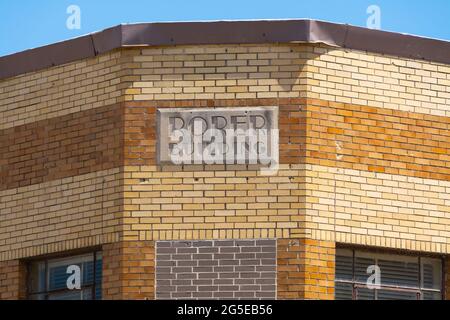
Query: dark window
{"type": "Point", "coordinates": [48, 279]}
{"type": "Point", "coordinates": [402, 277]}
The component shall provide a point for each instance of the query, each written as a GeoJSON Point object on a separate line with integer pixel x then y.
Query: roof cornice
{"type": "Point", "coordinates": [225, 32]}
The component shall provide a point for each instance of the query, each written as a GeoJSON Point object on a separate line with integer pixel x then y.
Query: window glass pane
{"type": "Point", "coordinates": [49, 278]}
{"type": "Point", "coordinates": [98, 277]}
{"type": "Point", "coordinates": [66, 295]}
{"type": "Point", "coordinates": [395, 271]}
{"type": "Point", "coordinates": [396, 295]}
{"type": "Point", "coordinates": [98, 269]}
{"type": "Point", "coordinates": [57, 277]}
{"type": "Point", "coordinates": [88, 273]}
{"type": "Point", "coordinates": [41, 296]}
{"type": "Point", "coordinates": [431, 273]}
{"type": "Point", "coordinates": [431, 295]}
{"type": "Point", "coordinates": [402, 278]}
{"type": "Point", "coordinates": [85, 294]}
{"type": "Point", "coordinates": [343, 291]}
{"type": "Point", "coordinates": [365, 294]}
{"type": "Point", "coordinates": [98, 292]}
{"type": "Point", "coordinates": [344, 264]}
{"type": "Point", "coordinates": [57, 271]}
{"type": "Point", "coordinates": [361, 265]}
{"type": "Point", "coordinates": [37, 277]}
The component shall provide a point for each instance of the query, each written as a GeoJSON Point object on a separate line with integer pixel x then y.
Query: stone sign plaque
{"type": "Point", "coordinates": [244, 135]}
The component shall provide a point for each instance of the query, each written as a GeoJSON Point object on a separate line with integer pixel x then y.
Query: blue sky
{"type": "Point", "coordinates": [26, 24]}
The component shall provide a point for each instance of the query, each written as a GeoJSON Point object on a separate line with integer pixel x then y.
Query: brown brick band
{"type": "Point", "coordinates": [70, 145]}
{"type": "Point", "coordinates": [140, 126]}
{"type": "Point", "coordinates": [336, 135]}
{"type": "Point", "coordinates": [378, 140]}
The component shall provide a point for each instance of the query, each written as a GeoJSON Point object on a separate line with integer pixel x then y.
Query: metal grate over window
{"type": "Point", "coordinates": [402, 277]}
{"type": "Point", "coordinates": [47, 279]}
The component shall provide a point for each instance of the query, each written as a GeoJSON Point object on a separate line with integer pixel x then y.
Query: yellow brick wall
{"type": "Point", "coordinates": [61, 90]}
{"type": "Point", "coordinates": [277, 71]}
{"type": "Point", "coordinates": [218, 72]}
{"type": "Point", "coordinates": [369, 208]}
{"type": "Point", "coordinates": [287, 70]}
{"type": "Point", "coordinates": [376, 209]}
{"type": "Point", "coordinates": [202, 203]}
{"type": "Point", "coordinates": [376, 80]}
{"type": "Point", "coordinates": [227, 203]}
{"type": "Point", "coordinates": [212, 204]}
{"type": "Point", "coordinates": [60, 215]}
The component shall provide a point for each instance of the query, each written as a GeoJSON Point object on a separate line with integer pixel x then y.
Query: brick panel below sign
{"type": "Point", "coordinates": [216, 269]}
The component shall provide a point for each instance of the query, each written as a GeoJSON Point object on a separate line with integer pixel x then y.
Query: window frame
{"type": "Point", "coordinates": [48, 259]}
{"type": "Point", "coordinates": [403, 257]}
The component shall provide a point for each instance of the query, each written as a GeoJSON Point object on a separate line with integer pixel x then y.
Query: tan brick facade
{"type": "Point", "coordinates": [211, 202]}
{"type": "Point", "coordinates": [305, 269]}
{"type": "Point", "coordinates": [375, 80]}
{"type": "Point", "coordinates": [62, 90]}
{"type": "Point", "coordinates": [364, 160]}
{"type": "Point", "coordinates": [129, 270]}
{"type": "Point", "coordinates": [12, 280]}
{"type": "Point", "coordinates": [60, 215]}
